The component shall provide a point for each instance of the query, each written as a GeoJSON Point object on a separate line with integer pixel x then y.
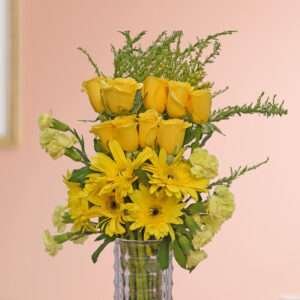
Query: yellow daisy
{"type": "Point", "coordinates": [175, 177]}
{"type": "Point", "coordinates": [113, 210]}
{"type": "Point", "coordinates": [79, 208]}
{"type": "Point", "coordinates": [153, 212]}
{"type": "Point", "coordinates": [117, 174]}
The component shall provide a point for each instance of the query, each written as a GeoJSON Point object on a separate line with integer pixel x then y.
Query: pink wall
{"type": "Point", "coordinates": [257, 255]}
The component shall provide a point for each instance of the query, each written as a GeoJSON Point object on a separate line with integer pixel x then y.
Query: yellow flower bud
{"type": "Point", "coordinates": [51, 246]}
{"type": "Point", "coordinates": [55, 142]}
{"type": "Point", "coordinates": [155, 93]}
{"type": "Point", "coordinates": [171, 133]}
{"type": "Point", "coordinates": [93, 89]}
{"type": "Point", "coordinates": [126, 132]}
{"type": "Point", "coordinates": [45, 121]}
{"type": "Point", "coordinates": [148, 125]}
{"type": "Point", "coordinates": [105, 131]}
{"type": "Point", "coordinates": [118, 94]}
{"type": "Point", "coordinates": [57, 218]}
{"type": "Point", "coordinates": [178, 98]}
{"type": "Point", "coordinates": [199, 105]}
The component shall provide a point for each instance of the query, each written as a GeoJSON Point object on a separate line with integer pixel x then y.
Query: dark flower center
{"type": "Point", "coordinates": [154, 211]}
{"type": "Point", "coordinates": [113, 205]}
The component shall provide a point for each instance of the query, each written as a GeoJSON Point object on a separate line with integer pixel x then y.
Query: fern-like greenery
{"type": "Point", "coordinates": [267, 108]}
{"type": "Point", "coordinates": [166, 57]}
{"type": "Point", "coordinates": [234, 174]}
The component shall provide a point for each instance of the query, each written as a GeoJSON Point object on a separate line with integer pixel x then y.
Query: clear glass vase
{"type": "Point", "coordinates": [138, 275]}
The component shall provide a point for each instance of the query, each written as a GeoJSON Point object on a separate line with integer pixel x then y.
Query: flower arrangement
{"type": "Point", "coordinates": [150, 177]}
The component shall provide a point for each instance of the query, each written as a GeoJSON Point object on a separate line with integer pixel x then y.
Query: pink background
{"type": "Point", "coordinates": [257, 254]}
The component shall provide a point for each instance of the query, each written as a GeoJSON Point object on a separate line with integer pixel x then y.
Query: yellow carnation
{"type": "Point", "coordinates": [221, 204]}
{"type": "Point", "coordinates": [56, 142]}
{"type": "Point", "coordinates": [204, 165]}
{"type": "Point", "coordinates": [195, 257]}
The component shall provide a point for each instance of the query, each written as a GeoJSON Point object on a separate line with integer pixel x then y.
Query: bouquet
{"type": "Point", "coordinates": [150, 178]}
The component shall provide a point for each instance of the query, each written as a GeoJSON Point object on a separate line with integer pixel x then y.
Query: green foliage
{"type": "Point", "coordinates": [73, 153]}
{"type": "Point", "coordinates": [163, 255]}
{"type": "Point", "coordinates": [165, 57]}
{"type": "Point", "coordinates": [268, 108]}
{"type": "Point", "coordinates": [58, 125]}
{"type": "Point", "coordinates": [79, 175]}
{"type": "Point", "coordinates": [92, 62]}
{"type": "Point", "coordinates": [179, 255]}
{"type": "Point", "coordinates": [196, 208]}
{"type": "Point", "coordinates": [234, 174]}
{"type": "Point", "coordinates": [98, 145]}
{"type": "Point", "coordinates": [190, 223]}
{"type": "Point", "coordinates": [98, 251]}
{"type": "Point", "coordinates": [142, 176]}
{"type": "Point", "coordinates": [81, 151]}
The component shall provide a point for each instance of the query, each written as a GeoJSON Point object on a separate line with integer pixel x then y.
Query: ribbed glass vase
{"type": "Point", "coordinates": [138, 275]}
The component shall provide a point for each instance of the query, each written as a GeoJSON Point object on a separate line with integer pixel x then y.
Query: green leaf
{"type": "Point", "coordinates": [188, 137]}
{"type": "Point", "coordinates": [163, 256]}
{"type": "Point", "coordinates": [191, 224]}
{"type": "Point", "coordinates": [98, 251]}
{"type": "Point", "coordinates": [196, 208]}
{"type": "Point", "coordinates": [98, 146]}
{"type": "Point", "coordinates": [79, 175]}
{"type": "Point", "coordinates": [58, 125]}
{"type": "Point", "coordinates": [101, 237]}
{"type": "Point", "coordinates": [61, 238]}
{"type": "Point", "coordinates": [73, 153]}
{"type": "Point", "coordinates": [66, 218]}
{"type": "Point", "coordinates": [179, 255]}
{"type": "Point", "coordinates": [138, 102]}
{"type": "Point", "coordinates": [142, 176]}
{"type": "Point", "coordinates": [185, 244]}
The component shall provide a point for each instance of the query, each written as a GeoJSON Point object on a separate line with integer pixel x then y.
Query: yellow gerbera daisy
{"type": "Point", "coordinates": [113, 210]}
{"type": "Point", "coordinates": [153, 212]}
{"type": "Point", "coordinates": [117, 174]}
{"type": "Point", "coordinates": [79, 208]}
{"type": "Point", "coordinates": [175, 177]}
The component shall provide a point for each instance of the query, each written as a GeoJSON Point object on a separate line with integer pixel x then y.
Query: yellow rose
{"type": "Point", "coordinates": [155, 93]}
{"type": "Point", "coordinates": [118, 94]}
{"type": "Point", "coordinates": [126, 132]}
{"type": "Point", "coordinates": [199, 105]}
{"type": "Point", "coordinates": [148, 125]}
{"type": "Point", "coordinates": [178, 98]}
{"type": "Point", "coordinates": [93, 89]}
{"type": "Point", "coordinates": [170, 134]}
{"type": "Point", "coordinates": [105, 131]}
